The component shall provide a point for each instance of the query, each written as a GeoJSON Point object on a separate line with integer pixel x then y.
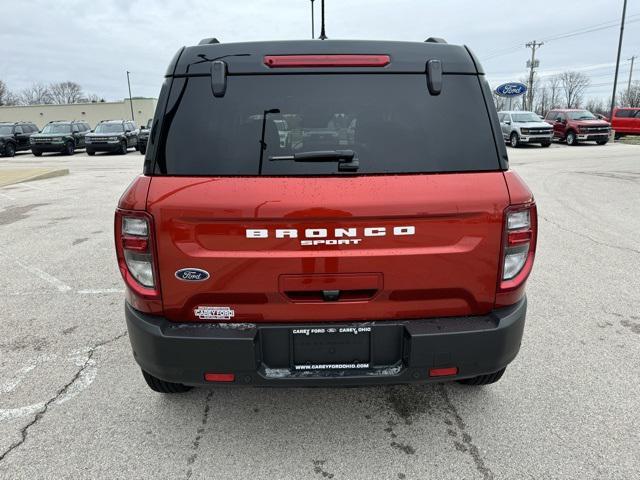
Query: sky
{"type": "Point", "coordinates": [95, 43]}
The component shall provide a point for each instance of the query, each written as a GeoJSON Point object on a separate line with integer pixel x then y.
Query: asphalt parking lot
{"type": "Point", "coordinates": [74, 405]}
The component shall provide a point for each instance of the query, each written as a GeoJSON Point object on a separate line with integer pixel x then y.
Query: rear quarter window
{"type": "Point", "coordinates": [390, 121]}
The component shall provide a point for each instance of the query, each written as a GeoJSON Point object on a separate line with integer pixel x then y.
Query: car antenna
{"type": "Point", "coordinates": [323, 36]}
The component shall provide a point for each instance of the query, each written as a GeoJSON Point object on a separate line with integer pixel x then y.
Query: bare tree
{"type": "Point", "coordinates": [90, 98]}
{"type": "Point", "coordinates": [500, 102]}
{"type": "Point", "coordinates": [597, 106]}
{"type": "Point", "coordinates": [573, 86]}
{"type": "Point", "coordinates": [12, 99]}
{"type": "Point", "coordinates": [4, 91]}
{"type": "Point", "coordinates": [36, 94]}
{"type": "Point", "coordinates": [631, 96]}
{"type": "Point", "coordinates": [542, 106]}
{"type": "Point", "coordinates": [66, 92]}
{"type": "Point", "coordinates": [553, 85]}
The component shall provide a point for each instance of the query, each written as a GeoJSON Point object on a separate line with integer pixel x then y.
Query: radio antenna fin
{"type": "Point", "coordinates": [323, 36]}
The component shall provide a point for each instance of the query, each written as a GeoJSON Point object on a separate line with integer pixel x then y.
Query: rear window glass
{"type": "Point", "coordinates": [390, 122]}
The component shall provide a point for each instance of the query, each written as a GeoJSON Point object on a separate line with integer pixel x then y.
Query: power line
{"type": "Point", "coordinates": [590, 29]}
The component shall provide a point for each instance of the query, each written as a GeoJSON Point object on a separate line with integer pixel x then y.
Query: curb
{"type": "Point", "coordinates": [14, 175]}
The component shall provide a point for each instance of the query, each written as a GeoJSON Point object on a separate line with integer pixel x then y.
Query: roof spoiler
{"type": "Point", "coordinates": [435, 40]}
{"type": "Point", "coordinates": [208, 41]}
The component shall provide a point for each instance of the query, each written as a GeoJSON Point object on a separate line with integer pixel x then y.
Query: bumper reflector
{"type": "Point", "coordinates": [219, 377]}
{"type": "Point", "coordinates": [443, 372]}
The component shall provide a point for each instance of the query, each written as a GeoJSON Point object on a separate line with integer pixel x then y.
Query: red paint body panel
{"type": "Point", "coordinates": [626, 125]}
{"type": "Point", "coordinates": [449, 267]}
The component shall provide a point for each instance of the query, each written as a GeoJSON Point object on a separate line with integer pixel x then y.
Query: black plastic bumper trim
{"type": "Point", "coordinates": [183, 352]}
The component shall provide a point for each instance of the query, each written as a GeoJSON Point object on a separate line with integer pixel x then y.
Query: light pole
{"type": "Point", "coordinates": [631, 73]}
{"type": "Point", "coordinates": [615, 80]}
{"type": "Point", "coordinates": [313, 32]}
{"type": "Point", "coordinates": [130, 99]}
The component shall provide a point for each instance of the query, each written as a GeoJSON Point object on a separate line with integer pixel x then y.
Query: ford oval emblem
{"type": "Point", "coordinates": [192, 274]}
{"type": "Point", "coordinates": [511, 89]}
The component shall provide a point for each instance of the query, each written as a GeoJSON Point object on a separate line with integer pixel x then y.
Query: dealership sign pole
{"type": "Point", "coordinates": [511, 90]}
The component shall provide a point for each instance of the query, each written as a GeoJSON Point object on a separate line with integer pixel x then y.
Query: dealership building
{"type": "Point", "coordinates": [92, 113]}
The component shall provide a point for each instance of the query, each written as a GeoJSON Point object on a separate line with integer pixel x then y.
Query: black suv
{"type": "Point", "coordinates": [60, 136]}
{"type": "Point", "coordinates": [143, 137]}
{"type": "Point", "coordinates": [112, 136]}
{"type": "Point", "coordinates": [15, 137]}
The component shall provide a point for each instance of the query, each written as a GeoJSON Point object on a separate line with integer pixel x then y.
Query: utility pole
{"type": "Point", "coordinates": [313, 32]}
{"type": "Point", "coordinates": [130, 99]}
{"type": "Point", "coordinates": [631, 73]}
{"type": "Point", "coordinates": [615, 80]}
{"type": "Point", "coordinates": [532, 64]}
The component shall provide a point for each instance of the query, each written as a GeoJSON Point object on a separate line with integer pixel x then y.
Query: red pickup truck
{"type": "Point", "coordinates": [576, 125]}
{"type": "Point", "coordinates": [365, 244]}
{"type": "Point", "coordinates": [626, 121]}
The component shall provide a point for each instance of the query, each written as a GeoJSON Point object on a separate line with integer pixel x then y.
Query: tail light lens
{"type": "Point", "coordinates": [304, 61]}
{"type": "Point", "coordinates": [519, 244]}
{"type": "Point", "coordinates": [136, 252]}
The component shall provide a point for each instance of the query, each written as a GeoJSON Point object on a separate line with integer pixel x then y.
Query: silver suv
{"type": "Point", "coordinates": [524, 127]}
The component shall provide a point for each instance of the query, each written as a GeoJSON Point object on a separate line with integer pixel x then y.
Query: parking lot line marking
{"type": "Point", "coordinates": [59, 284]}
{"type": "Point", "coordinates": [99, 291]}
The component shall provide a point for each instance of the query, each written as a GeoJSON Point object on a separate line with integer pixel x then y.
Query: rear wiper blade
{"type": "Point", "coordinates": [347, 160]}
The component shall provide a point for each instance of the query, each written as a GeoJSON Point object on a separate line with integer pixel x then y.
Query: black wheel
{"type": "Point", "coordinates": [9, 150]}
{"type": "Point", "coordinates": [142, 150]}
{"type": "Point", "coordinates": [69, 148]}
{"type": "Point", "coordinates": [484, 379]}
{"type": "Point", "coordinates": [91, 153]}
{"type": "Point", "coordinates": [36, 153]}
{"type": "Point", "coordinates": [602, 142]}
{"type": "Point", "coordinates": [123, 147]}
{"type": "Point", "coordinates": [161, 386]}
{"type": "Point", "coordinates": [546, 144]}
{"type": "Point", "coordinates": [514, 141]}
{"type": "Point", "coordinates": [572, 140]}
{"type": "Point", "coordinates": [617, 136]}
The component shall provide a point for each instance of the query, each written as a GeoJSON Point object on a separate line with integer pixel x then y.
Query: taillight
{"type": "Point", "coordinates": [519, 245]}
{"type": "Point", "coordinates": [136, 252]}
{"type": "Point", "coordinates": [305, 61]}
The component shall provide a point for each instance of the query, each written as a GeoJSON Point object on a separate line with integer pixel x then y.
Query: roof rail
{"type": "Point", "coordinates": [208, 41]}
{"type": "Point", "coordinates": [435, 40]}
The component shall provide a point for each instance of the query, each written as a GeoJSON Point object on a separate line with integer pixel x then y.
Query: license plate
{"type": "Point", "coordinates": [331, 348]}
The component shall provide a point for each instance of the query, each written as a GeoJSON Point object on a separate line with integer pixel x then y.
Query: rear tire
{"type": "Point", "coordinates": [484, 379]}
{"type": "Point", "coordinates": [514, 141]}
{"type": "Point", "coordinates": [161, 386]}
{"type": "Point", "coordinates": [572, 140]}
{"type": "Point", "coordinates": [9, 150]}
{"type": "Point", "coordinates": [69, 149]}
{"type": "Point", "coordinates": [36, 153]}
{"type": "Point", "coordinates": [142, 150]}
{"type": "Point", "coordinates": [91, 153]}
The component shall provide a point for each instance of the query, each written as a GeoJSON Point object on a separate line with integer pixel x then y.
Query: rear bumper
{"type": "Point", "coordinates": [402, 351]}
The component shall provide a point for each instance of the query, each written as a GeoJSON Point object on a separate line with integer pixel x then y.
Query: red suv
{"type": "Point", "coordinates": [574, 126]}
{"type": "Point", "coordinates": [626, 121]}
{"type": "Point", "coordinates": [308, 216]}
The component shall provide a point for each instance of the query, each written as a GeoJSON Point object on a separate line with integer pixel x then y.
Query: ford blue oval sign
{"type": "Point", "coordinates": [192, 274]}
{"type": "Point", "coordinates": [511, 89]}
